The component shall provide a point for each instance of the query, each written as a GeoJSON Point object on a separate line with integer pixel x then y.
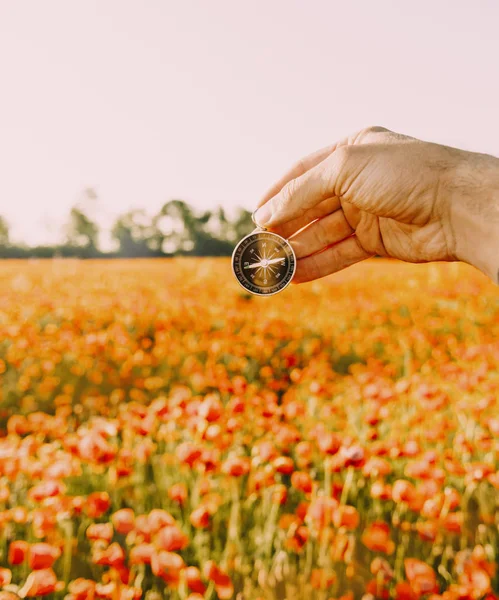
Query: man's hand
{"type": "Point", "coordinates": [378, 192]}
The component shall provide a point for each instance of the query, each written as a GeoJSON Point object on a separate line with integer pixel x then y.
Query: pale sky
{"type": "Point", "coordinates": [211, 100]}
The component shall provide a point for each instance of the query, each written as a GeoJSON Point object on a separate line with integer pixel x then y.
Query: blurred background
{"type": "Point", "coordinates": [149, 128]}
{"type": "Point", "coordinates": [165, 435]}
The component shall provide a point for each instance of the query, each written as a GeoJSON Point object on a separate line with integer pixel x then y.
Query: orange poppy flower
{"type": "Point", "coordinates": [279, 494]}
{"type": "Point", "coordinates": [5, 576]}
{"type": "Point", "coordinates": [380, 566]}
{"type": "Point", "coordinates": [376, 467]}
{"type": "Point", "coordinates": [404, 591]}
{"type": "Point", "coordinates": [381, 490]}
{"type": "Point", "coordinates": [188, 453]}
{"type": "Point", "coordinates": [46, 489]}
{"type": "Point", "coordinates": [376, 537]}
{"type": "Point", "coordinates": [321, 580]}
{"type": "Point", "coordinates": [212, 572]}
{"type": "Point", "coordinates": [453, 522]}
{"type": "Point", "coordinates": [403, 491]}
{"type": "Point", "coordinates": [321, 511]}
{"type": "Point", "coordinates": [421, 577]}
{"type": "Point", "coordinates": [346, 516]}
{"type": "Point", "coordinates": [378, 589]}
{"type": "Point", "coordinates": [123, 520]}
{"type": "Point", "coordinates": [427, 530]}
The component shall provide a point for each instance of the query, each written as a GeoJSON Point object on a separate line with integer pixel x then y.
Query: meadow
{"type": "Point", "coordinates": [165, 435]}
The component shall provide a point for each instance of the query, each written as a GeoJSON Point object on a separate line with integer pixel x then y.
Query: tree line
{"type": "Point", "coordinates": [177, 229]}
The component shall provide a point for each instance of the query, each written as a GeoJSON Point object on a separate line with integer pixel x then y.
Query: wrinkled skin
{"type": "Point", "coordinates": [379, 192]}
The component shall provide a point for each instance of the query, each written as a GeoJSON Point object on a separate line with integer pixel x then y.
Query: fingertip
{"type": "Point", "coordinates": [263, 215]}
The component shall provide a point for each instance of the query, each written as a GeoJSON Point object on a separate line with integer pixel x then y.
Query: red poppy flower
{"type": "Point", "coordinates": [82, 589]}
{"type": "Point", "coordinates": [168, 566]}
{"type": "Point", "coordinates": [171, 538]}
{"type": "Point", "coordinates": [141, 554]}
{"type": "Point", "coordinates": [40, 583]}
{"type": "Point", "coordinates": [158, 518]}
{"type": "Point", "coordinates": [100, 531]}
{"type": "Point", "coordinates": [97, 504]}
{"type": "Point", "coordinates": [284, 465]}
{"type": "Point", "coordinates": [112, 556]}
{"type": "Point", "coordinates": [193, 579]}
{"type": "Point", "coordinates": [178, 493]}
{"type": "Point", "coordinates": [200, 517]}
{"type": "Point", "coordinates": [18, 552]}
{"type": "Point", "coordinates": [301, 481]}
{"type": "Point", "coordinates": [42, 555]}
{"type": "Point", "coordinates": [236, 466]}
{"type": "Point", "coordinates": [123, 520]}
{"type": "Point", "coordinates": [328, 442]}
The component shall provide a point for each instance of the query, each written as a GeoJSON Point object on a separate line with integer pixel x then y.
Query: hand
{"type": "Point", "coordinates": [379, 192]}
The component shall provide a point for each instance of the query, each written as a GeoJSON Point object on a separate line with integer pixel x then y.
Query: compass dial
{"type": "Point", "coordinates": [264, 263]}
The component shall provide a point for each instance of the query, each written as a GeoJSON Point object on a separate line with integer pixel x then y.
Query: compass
{"type": "Point", "coordinates": [263, 262]}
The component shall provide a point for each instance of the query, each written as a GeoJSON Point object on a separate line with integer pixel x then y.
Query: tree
{"type": "Point", "coordinates": [243, 224]}
{"type": "Point", "coordinates": [136, 234]}
{"type": "Point", "coordinates": [4, 232]}
{"type": "Point", "coordinates": [185, 232]}
{"type": "Point", "coordinates": [176, 224]}
{"type": "Point", "coordinates": [82, 232]}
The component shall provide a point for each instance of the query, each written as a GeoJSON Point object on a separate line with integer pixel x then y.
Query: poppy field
{"type": "Point", "coordinates": [165, 435]}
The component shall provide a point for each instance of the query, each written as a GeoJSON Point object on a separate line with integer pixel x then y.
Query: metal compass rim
{"type": "Point", "coordinates": [284, 241]}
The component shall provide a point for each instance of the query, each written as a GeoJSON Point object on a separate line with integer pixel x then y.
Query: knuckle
{"type": "Point", "coordinates": [289, 198]}
{"type": "Point", "coordinates": [342, 156]}
{"type": "Point", "coordinates": [337, 253]}
{"type": "Point", "coordinates": [313, 268]}
{"type": "Point", "coordinates": [375, 129]}
{"type": "Point", "coordinates": [287, 193]}
{"type": "Point", "coordinates": [322, 233]}
{"type": "Point", "coordinates": [369, 132]}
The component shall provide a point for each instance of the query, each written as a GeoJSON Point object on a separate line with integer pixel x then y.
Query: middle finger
{"type": "Point", "coordinates": [317, 212]}
{"type": "Point", "coordinates": [322, 233]}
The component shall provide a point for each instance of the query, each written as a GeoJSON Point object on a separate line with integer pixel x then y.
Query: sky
{"type": "Point", "coordinates": [210, 101]}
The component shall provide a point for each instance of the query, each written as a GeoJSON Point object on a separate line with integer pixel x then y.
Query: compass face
{"type": "Point", "coordinates": [264, 263]}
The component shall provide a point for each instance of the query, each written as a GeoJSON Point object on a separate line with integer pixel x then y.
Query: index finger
{"type": "Point", "coordinates": [298, 169]}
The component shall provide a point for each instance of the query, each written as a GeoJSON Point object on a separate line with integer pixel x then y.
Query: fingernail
{"type": "Point", "coordinates": [263, 215]}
